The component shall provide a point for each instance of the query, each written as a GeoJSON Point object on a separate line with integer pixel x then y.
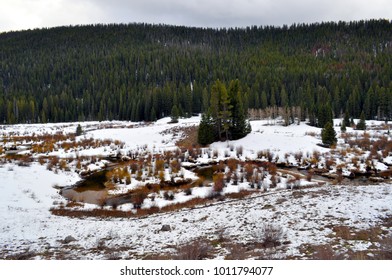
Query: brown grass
{"type": "Point", "coordinates": [198, 249]}
{"type": "Point", "coordinates": [190, 139]}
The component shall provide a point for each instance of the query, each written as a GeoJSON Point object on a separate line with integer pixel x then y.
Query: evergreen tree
{"type": "Point", "coordinates": [240, 127]}
{"type": "Point", "coordinates": [346, 120]}
{"type": "Point", "coordinates": [328, 135]}
{"type": "Point", "coordinates": [324, 115]}
{"type": "Point", "coordinates": [225, 114]}
{"type": "Point", "coordinates": [225, 119]}
{"type": "Point", "coordinates": [175, 113]}
{"type": "Point", "coordinates": [79, 130]}
{"type": "Point", "coordinates": [343, 127]}
{"type": "Point", "coordinates": [362, 123]}
{"type": "Point", "coordinates": [123, 71]}
{"type": "Point", "coordinates": [206, 133]}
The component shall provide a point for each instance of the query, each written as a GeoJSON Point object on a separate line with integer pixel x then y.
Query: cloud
{"type": "Point", "coordinates": [23, 14]}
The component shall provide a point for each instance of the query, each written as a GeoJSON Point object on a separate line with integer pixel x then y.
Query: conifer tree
{"type": "Point", "coordinates": [240, 127]}
{"type": "Point", "coordinates": [362, 123]}
{"type": "Point", "coordinates": [346, 119]}
{"type": "Point", "coordinates": [79, 130]}
{"type": "Point", "coordinates": [343, 127]}
{"type": "Point", "coordinates": [328, 135]}
{"type": "Point", "coordinates": [175, 113]}
{"type": "Point", "coordinates": [206, 133]}
{"type": "Point", "coordinates": [225, 114]}
{"type": "Point", "coordinates": [226, 119]}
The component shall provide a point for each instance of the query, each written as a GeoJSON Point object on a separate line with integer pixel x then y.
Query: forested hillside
{"type": "Point", "coordinates": [140, 71]}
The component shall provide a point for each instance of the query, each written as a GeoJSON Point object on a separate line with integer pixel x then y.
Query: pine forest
{"type": "Point", "coordinates": [141, 72]}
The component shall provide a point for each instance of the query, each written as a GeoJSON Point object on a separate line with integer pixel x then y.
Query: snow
{"type": "Point", "coordinates": [278, 139]}
{"type": "Point", "coordinates": [27, 193]}
{"type": "Point", "coordinates": [152, 135]}
{"type": "Point", "coordinates": [26, 222]}
{"type": "Point", "coordinates": [307, 215]}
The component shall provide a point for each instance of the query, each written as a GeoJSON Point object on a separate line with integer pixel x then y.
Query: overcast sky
{"type": "Point", "coordinates": [29, 14]}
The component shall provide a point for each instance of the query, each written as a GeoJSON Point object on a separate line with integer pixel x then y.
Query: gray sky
{"type": "Point", "coordinates": [29, 14]}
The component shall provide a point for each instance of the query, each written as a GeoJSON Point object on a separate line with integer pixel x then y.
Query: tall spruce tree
{"type": "Point", "coordinates": [240, 127]}
{"type": "Point", "coordinates": [328, 135]}
{"type": "Point", "coordinates": [346, 119]}
{"type": "Point", "coordinates": [225, 119]}
{"type": "Point", "coordinates": [206, 133]}
{"type": "Point", "coordinates": [175, 113]}
{"type": "Point", "coordinates": [362, 123]}
{"type": "Point", "coordinates": [225, 114]}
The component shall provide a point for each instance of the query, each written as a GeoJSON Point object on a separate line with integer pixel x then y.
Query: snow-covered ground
{"type": "Point", "coordinates": [278, 139]}
{"type": "Point", "coordinates": [307, 216]}
{"type": "Point", "coordinates": [27, 225]}
{"type": "Point", "coordinates": [152, 135]}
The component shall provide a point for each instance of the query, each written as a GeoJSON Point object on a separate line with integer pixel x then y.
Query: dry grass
{"type": "Point", "coordinates": [344, 232]}
{"type": "Point", "coordinates": [190, 137]}
{"type": "Point", "coordinates": [198, 249]}
{"type": "Point", "coordinates": [324, 252]}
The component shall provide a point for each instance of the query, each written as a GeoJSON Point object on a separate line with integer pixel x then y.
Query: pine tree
{"type": "Point", "coordinates": [346, 119]}
{"type": "Point", "coordinates": [328, 135]}
{"type": "Point", "coordinates": [362, 123]}
{"type": "Point", "coordinates": [343, 127]}
{"type": "Point", "coordinates": [79, 130]}
{"type": "Point", "coordinates": [225, 114]}
{"type": "Point", "coordinates": [206, 133]}
{"type": "Point", "coordinates": [226, 117]}
{"type": "Point", "coordinates": [175, 113]}
{"type": "Point", "coordinates": [239, 125]}
{"type": "Point", "coordinates": [324, 115]}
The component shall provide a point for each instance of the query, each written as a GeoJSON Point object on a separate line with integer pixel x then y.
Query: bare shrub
{"type": "Point", "coordinates": [270, 235]}
{"type": "Point", "coordinates": [232, 164]}
{"type": "Point", "coordinates": [195, 250]}
{"type": "Point", "coordinates": [168, 195]}
{"type": "Point", "coordinates": [309, 175]}
{"type": "Point", "coordinates": [248, 171]}
{"type": "Point", "coordinates": [188, 191]}
{"type": "Point", "coordinates": [138, 197]}
{"type": "Point", "coordinates": [218, 182]}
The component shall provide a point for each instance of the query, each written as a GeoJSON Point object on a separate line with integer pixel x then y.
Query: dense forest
{"type": "Point", "coordinates": [141, 71]}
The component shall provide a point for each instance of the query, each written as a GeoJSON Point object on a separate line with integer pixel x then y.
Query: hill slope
{"type": "Point", "coordinates": [139, 71]}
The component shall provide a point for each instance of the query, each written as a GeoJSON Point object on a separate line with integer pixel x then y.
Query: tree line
{"type": "Point", "coordinates": [141, 71]}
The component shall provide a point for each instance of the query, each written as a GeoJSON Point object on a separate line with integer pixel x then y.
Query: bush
{"type": "Point", "coordinates": [218, 182]}
{"type": "Point", "coordinates": [138, 197]}
{"type": "Point", "coordinates": [196, 250]}
{"type": "Point", "coordinates": [168, 195]}
{"type": "Point", "coordinates": [188, 191]}
{"type": "Point", "coordinates": [270, 235]}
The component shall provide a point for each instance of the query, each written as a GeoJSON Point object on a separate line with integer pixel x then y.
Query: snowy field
{"type": "Point", "coordinates": [232, 228]}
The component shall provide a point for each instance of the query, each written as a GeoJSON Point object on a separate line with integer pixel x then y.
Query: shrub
{"type": "Point", "coordinates": [218, 182]}
{"type": "Point", "coordinates": [195, 250]}
{"type": "Point", "coordinates": [232, 164]}
{"type": "Point", "coordinates": [168, 195]}
{"type": "Point", "coordinates": [188, 191]}
{"type": "Point", "coordinates": [138, 197]}
{"type": "Point", "coordinates": [270, 235]}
